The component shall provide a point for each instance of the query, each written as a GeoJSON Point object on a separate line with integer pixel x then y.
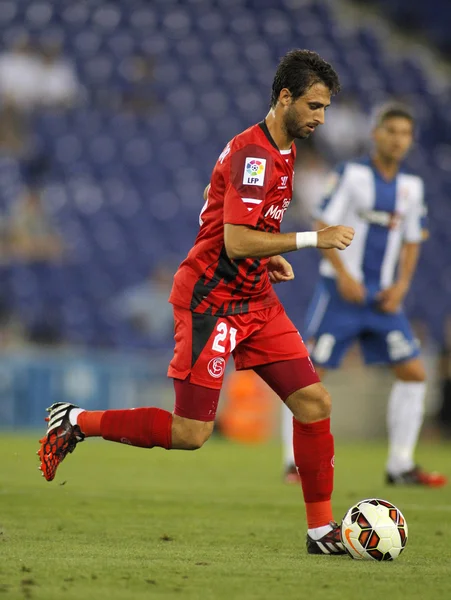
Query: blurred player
{"type": "Point", "coordinates": [361, 292]}
{"type": "Point", "coordinates": [224, 304]}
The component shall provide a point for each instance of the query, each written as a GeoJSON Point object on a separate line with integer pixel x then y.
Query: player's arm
{"type": "Point", "coordinates": [415, 229]}
{"type": "Point", "coordinates": [410, 253]}
{"type": "Point", "coordinates": [338, 191]}
{"type": "Point", "coordinates": [243, 241]}
{"type": "Point", "coordinates": [415, 232]}
{"type": "Point", "coordinates": [247, 188]}
{"type": "Point", "coordinates": [391, 298]}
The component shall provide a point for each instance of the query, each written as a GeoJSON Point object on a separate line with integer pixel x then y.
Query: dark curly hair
{"type": "Point", "coordinates": [298, 70]}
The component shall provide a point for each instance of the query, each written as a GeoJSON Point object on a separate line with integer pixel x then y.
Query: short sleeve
{"type": "Point", "coordinates": [249, 180]}
{"type": "Point", "coordinates": [416, 220]}
{"type": "Point", "coordinates": [336, 197]}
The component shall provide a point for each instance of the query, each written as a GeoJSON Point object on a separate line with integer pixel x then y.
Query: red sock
{"type": "Point", "coordinates": [143, 427]}
{"type": "Point", "coordinates": [89, 422]}
{"type": "Point", "coordinates": [313, 446]}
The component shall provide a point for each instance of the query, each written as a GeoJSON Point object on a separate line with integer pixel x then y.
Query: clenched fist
{"type": "Point", "coordinates": [338, 236]}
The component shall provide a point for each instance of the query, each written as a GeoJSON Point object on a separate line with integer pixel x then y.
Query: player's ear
{"type": "Point", "coordinates": [285, 97]}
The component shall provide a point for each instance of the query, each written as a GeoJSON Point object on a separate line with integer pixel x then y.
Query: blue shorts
{"type": "Point", "coordinates": [334, 324]}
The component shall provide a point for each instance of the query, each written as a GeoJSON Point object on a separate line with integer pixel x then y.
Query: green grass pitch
{"type": "Point", "coordinates": [130, 524]}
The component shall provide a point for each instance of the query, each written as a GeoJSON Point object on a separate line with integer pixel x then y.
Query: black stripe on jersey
{"type": "Point", "coordinates": [234, 307]}
{"type": "Point", "coordinates": [256, 280]}
{"type": "Point", "coordinates": [252, 267]}
{"type": "Point", "coordinates": [241, 307]}
{"type": "Point", "coordinates": [202, 328]}
{"type": "Point", "coordinates": [265, 130]}
{"type": "Point", "coordinates": [225, 270]}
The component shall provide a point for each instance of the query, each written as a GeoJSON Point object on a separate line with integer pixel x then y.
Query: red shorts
{"type": "Point", "coordinates": [204, 343]}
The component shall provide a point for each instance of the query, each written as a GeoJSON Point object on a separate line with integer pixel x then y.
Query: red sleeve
{"type": "Point", "coordinates": [249, 178]}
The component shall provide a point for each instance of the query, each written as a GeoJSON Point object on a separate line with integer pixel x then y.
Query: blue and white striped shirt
{"type": "Point", "coordinates": [384, 214]}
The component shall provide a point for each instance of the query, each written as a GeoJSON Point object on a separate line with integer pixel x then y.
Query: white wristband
{"type": "Point", "coordinates": [306, 239]}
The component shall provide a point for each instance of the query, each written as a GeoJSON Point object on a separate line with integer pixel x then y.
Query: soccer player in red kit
{"type": "Point", "coordinates": [224, 304]}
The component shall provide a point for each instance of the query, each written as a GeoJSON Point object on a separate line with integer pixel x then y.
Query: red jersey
{"type": "Point", "coordinates": [251, 184]}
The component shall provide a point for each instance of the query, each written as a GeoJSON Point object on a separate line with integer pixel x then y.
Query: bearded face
{"type": "Point", "coordinates": [303, 115]}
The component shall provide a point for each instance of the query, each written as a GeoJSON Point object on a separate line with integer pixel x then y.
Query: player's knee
{"type": "Point", "coordinates": [310, 404]}
{"type": "Point", "coordinates": [414, 377]}
{"type": "Point", "coordinates": [417, 376]}
{"type": "Point", "coordinates": [411, 371]}
{"type": "Point", "coordinates": [324, 404]}
{"type": "Point", "coordinates": [191, 435]}
{"type": "Point", "coordinates": [197, 439]}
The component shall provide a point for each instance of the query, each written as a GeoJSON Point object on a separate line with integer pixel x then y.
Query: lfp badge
{"type": "Point", "coordinates": [254, 171]}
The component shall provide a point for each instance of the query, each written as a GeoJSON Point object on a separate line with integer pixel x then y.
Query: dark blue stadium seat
{"type": "Point", "coordinates": [125, 189]}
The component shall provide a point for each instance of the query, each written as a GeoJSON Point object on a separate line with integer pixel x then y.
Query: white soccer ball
{"type": "Point", "coordinates": [374, 529]}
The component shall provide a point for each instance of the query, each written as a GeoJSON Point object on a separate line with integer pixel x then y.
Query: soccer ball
{"type": "Point", "coordinates": [374, 529]}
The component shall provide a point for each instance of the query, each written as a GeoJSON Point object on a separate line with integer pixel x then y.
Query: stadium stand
{"type": "Point", "coordinates": [419, 18]}
{"type": "Point", "coordinates": [124, 179]}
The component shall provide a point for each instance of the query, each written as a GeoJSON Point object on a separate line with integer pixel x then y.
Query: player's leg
{"type": "Point", "coordinates": [296, 382]}
{"type": "Point", "coordinates": [291, 474]}
{"type": "Point", "coordinates": [392, 342]}
{"type": "Point", "coordinates": [404, 420]}
{"type": "Point", "coordinates": [146, 427]}
{"type": "Point", "coordinates": [277, 354]}
{"type": "Point", "coordinates": [316, 313]}
{"type": "Point", "coordinates": [188, 428]}
{"type": "Point", "coordinates": [68, 425]}
{"type": "Point", "coordinates": [197, 371]}
{"type": "Point", "coordinates": [313, 448]}
{"type": "Point", "coordinates": [405, 415]}
{"type": "Point", "coordinates": [331, 326]}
